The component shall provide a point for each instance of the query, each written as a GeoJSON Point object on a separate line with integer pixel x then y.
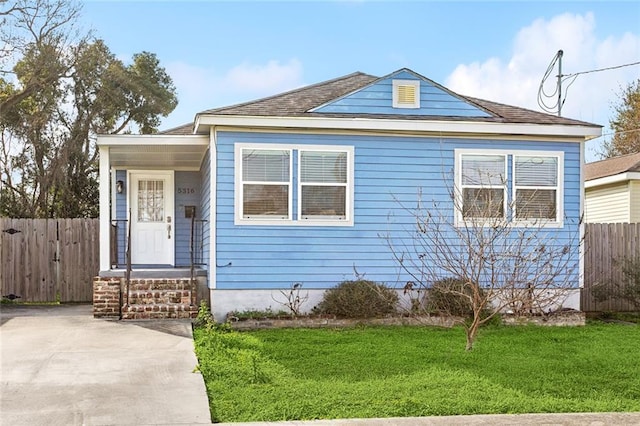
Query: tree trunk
{"type": "Point", "coordinates": [472, 332]}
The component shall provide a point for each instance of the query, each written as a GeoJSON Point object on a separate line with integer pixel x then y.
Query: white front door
{"type": "Point", "coordinates": [152, 217]}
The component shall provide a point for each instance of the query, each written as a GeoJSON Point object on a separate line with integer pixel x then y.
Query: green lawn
{"type": "Point", "coordinates": [289, 374]}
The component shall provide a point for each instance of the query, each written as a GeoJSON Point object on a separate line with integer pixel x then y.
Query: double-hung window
{"type": "Point", "coordinates": [323, 185]}
{"type": "Point", "coordinates": [294, 185]}
{"type": "Point", "coordinates": [521, 187]}
{"type": "Point", "coordinates": [536, 187]}
{"type": "Point", "coordinates": [483, 186]}
{"type": "Point", "coordinates": [266, 183]}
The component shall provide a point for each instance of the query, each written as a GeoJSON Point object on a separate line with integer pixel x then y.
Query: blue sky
{"type": "Point", "coordinates": [220, 53]}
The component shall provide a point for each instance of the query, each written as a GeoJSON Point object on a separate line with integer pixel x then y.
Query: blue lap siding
{"type": "Point", "coordinates": [389, 172]}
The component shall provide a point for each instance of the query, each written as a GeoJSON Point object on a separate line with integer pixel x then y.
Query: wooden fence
{"type": "Point", "coordinates": [47, 260]}
{"type": "Point", "coordinates": [606, 244]}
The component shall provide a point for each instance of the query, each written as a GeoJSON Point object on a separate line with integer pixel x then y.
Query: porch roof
{"type": "Point", "coordinates": [176, 152]}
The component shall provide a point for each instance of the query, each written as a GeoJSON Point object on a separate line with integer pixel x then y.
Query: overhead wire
{"type": "Point", "coordinates": [602, 69]}
{"type": "Point", "coordinates": [542, 95]}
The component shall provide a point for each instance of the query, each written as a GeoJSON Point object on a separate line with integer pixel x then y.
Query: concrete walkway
{"type": "Point", "coordinates": [577, 419]}
{"type": "Point", "coordinates": [60, 366]}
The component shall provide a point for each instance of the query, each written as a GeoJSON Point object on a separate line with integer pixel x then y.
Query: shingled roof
{"type": "Point", "coordinates": [185, 129]}
{"type": "Point", "coordinates": [612, 166]}
{"type": "Point", "coordinates": [298, 103]}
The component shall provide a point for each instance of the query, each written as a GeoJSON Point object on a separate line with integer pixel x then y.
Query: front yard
{"type": "Point", "coordinates": [288, 374]}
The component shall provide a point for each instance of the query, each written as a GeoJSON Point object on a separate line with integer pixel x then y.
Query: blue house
{"type": "Point", "coordinates": [302, 187]}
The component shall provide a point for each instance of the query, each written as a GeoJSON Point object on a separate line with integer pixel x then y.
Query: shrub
{"type": "Point", "coordinates": [451, 296]}
{"type": "Point", "coordinates": [358, 299]}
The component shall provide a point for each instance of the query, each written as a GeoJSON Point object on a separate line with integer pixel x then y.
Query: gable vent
{"type": "Point", "coordinates": [406, 94]}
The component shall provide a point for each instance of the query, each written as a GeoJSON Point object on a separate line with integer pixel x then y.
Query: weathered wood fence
{"type": "Point", "coordinates": [48, 260]}
{"type": "Point", "coordinates": [606, 244]}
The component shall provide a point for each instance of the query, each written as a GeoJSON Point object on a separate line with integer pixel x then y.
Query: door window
{"type": "Point", "coordinates": [150, 200]}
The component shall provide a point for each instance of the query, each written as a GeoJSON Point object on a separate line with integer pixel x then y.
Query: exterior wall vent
{"type": "Point", "coordinates": [406, 94]}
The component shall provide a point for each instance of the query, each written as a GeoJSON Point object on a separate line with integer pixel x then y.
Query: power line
{"type": "Point", "coordinates": [601, 69]}
{"type": "Point", "coordinates": [543, 96]}
{"type": "Point", "coordinates": [619, 133]}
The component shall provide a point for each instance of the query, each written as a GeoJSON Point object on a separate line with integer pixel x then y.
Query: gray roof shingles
{"type": "Point", "coordinates": [297, 103]}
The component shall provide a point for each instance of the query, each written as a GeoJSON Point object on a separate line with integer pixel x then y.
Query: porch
{"type": "Point", "coordinates": [154, 226]}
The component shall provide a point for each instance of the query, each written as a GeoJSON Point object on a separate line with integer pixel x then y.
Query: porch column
{"type": "Point", "coordinates": [105, 211]}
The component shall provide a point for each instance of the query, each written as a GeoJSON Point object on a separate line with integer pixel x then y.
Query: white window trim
{"type": "Point", "coordinates": [459, 221]}
{"type": "Point", "coordinates": [239, 185]}
{"type": "Point", "coordinates": [348, 198]}
{"type": "Point", "coordinates": [295, 150]}
{"type": "Point", "coordinates": [551, 223]}
{"type": "Point", "coordinates": [396, 103]}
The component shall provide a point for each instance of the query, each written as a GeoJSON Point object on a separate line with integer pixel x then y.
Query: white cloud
{"type": "Point", "coordinates": [516, 80]}
{"type": "Point", "coordinates": [202, 88]}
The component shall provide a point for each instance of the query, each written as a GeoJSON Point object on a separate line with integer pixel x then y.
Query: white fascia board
{"type": "Point", "coordinates": [607, 180]}
{"type": "Point", "coordinates": [126, 140]}
{"type": "Point", "coordinates": [400, 125]}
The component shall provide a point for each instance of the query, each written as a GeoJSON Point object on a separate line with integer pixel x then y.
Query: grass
{"type": "Point", "coordinates": [289, 374]}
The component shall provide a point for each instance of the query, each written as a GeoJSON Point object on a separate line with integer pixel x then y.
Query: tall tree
{"type": "Point", "coordinates": [48, 157]}
{"type": "Point", "coordinates": [626, 123]}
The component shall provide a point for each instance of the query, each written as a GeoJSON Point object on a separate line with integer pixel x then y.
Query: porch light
{"type": "Point", "coordinates": [119, 186]}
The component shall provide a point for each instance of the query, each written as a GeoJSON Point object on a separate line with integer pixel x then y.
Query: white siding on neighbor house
{"type": "Point", "coordinates": [607, 204]}
{"type": "Point", "coordinates": [634, 202]}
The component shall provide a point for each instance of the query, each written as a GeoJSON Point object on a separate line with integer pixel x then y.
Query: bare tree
{"type": "Point", "coordinates": [495, 254]}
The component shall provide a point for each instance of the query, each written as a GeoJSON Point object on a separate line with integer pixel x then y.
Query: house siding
{"type": "Point", "coordinates": [607, 204]}
{"type": "Point", "coordinates": [377, 99]}
{"type": "Point", "coordinates": [187, 193]}
{"type": "Point", "coordinates": [634, 202]}
{"type": "Point", "coordinates": [121, 217]}
{"type": "Point", "coordinates": [389, 173]}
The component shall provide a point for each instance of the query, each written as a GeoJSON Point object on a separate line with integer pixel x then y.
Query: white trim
{"type": "Point", "coordinates": [239, 218]}
{"type": "Point", "coordinates": [112, 172]}
{"type": "Point", "coordinates": [396, 102]}
{"type": "Point", "coordinates": [620, 177]}
{"type": "Point", "coordinates": [510, 180]}
{"type": "Point", "coordinates": [394, 125]}
{"type": "Point", "coordinates": [213, 199]}
{"type": "Point", "coordinates": [559, 220]}
{"type": "Point", "coordinates": [125, 140]}
{"type": "Point", "coordinates": [293, 149]}
{"type": "Point", "coordinates": [105, 219]}
{"type": "Point", "coordinates": [421, 135]}
{"type": "Point", "coordinates": [458, 189]}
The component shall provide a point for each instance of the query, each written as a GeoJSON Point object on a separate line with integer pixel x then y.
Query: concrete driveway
{"type": "Point", "coordinates": [60, 366]}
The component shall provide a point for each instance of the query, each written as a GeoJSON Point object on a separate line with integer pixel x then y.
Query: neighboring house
{"type": "Point", "coordinates": [612, 190]}
{"type": "Point", "coordinates": [301, 187]}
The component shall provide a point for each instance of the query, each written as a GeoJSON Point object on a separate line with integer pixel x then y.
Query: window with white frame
{"type": "Point", "coordinates": [536, 187]}
{"type": "Point", "coordinates": [294, 184]}
{"type": "Point", "coordinates": [530, 191]}
{"type": "Point", "coordinates": [483, 186]}
{"type": "Point", "coordinates": [266, 183]}
{"type": "Point", "coordinates": [323, 185]}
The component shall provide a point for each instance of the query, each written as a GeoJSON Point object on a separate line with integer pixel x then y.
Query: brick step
{"type": "Point", "coordinates": [153, 297]}
{"type": "Point", "coordinates": [159, 311]}
{"type": "Point", "coordinates": [168, 284]}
